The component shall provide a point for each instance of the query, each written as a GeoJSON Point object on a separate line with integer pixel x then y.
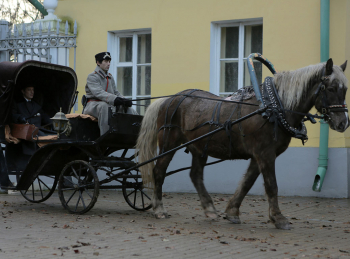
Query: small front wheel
{"type": "Point", "coordinates": [78, 187]}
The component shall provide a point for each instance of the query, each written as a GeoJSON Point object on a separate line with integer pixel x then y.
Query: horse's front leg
{"type": "Point", "coordinates": [232, 209]}
{"type": "Point", "coordinates": [196, 174]}
{"type": "Point", "coordinates": [267, 168]}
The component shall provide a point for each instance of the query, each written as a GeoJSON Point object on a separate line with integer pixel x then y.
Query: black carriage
{"type": "Point", "coordinates": [72, 161]}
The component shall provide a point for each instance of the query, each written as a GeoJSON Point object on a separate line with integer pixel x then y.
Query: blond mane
{"type": "Point", "coordinates": [292, 86]}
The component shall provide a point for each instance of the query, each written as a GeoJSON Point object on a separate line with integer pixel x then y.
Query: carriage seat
{"type": "Point", "coordinates": [83, 116]}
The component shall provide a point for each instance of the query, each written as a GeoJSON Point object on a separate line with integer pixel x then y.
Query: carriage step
{"type": "Point", "coordinates": [113, 163]}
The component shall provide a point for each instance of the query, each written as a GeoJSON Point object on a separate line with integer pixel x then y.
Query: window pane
{"type": "Point", "coordinates": [229, 42]}
{"type": "Point", "coordinates": [258, 72]}
{"type": "Point", "coordinates": [143, 80]}
{"type": "Point", "coordinates": [144, 49]}
{"type": "Point", "coordinates": [125, 49]}
{"type": "Point", "coordinates": [253, 39]}
{"type": "Point", "coordinates": [141, 109]}
{"type": "Point", "coordinates": [228, 76]}
{"type": "Point", "coordinates": [124, 80]}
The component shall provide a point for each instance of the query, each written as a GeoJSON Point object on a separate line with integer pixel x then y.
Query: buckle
{"type": "Point", "coordinates": [324, 110]}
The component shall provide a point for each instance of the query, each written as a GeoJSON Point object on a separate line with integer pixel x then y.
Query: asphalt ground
{"type": "Point", "coordinates": [112, 229]}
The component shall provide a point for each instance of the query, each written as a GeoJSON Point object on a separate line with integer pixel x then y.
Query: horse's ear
{"type": "Point", "coordinates": [344, 65]}
{"type": "Point", "coordinates": [329, 67]}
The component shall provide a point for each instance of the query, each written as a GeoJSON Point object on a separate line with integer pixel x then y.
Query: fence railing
{"type": "Point", "coordinates": [39, 41]}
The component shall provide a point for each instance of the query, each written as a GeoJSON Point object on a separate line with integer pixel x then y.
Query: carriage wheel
{"type": "Point", "coordinates": [39, 190]}
{"type": "Point", "coordinates": [135, 195]}
{"type": "Point", "coordinates": [78, 187]}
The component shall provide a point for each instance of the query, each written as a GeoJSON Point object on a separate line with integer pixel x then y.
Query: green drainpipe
{"type": "Point", "coordinates": [324, 128]}
{"type": "Point", "coordinates": [38, 6]}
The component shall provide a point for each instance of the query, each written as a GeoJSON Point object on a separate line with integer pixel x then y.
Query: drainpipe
{"type": "Point", "coordinates": [324, 128]}
{"type": "Point", "coordinates": [38, 6]}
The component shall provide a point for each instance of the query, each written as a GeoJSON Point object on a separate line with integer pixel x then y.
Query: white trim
{"type": "Point", "coordinates": [215, 44]}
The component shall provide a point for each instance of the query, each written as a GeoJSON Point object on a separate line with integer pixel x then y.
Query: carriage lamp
{"type": "Point", "coordinates": [61, 124]}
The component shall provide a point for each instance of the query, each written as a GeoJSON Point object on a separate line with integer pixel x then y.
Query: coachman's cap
{"type": "Point", "coordinates": [103, 56]}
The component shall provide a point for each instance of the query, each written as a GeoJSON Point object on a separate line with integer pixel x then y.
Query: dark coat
{"type": "Point", "coordinates": [32, 113]}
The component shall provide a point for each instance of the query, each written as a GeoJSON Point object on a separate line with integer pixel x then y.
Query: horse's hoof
{"type": "Point", "coordinates": [161, 215]}
{"type": "Point", "coordinates": [282, 225]}
{"type": "Point", "coordinates": [234, 219]}
{"type": "Point", "coordinates": [280, 222]}
{"type": "Point", "coordinates": [211, 214]}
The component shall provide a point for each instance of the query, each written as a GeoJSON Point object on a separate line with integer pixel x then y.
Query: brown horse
{"type": "Point", "coordinates": [174, 121]}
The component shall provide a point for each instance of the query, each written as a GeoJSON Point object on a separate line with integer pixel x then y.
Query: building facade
{"type": "Point", "coordinates": [161, 47]}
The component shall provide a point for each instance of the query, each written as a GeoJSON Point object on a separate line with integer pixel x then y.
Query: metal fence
{"type": "Point", "coordinates": [32, 41]}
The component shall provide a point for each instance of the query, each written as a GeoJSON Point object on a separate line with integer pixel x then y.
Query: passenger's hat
{"type": "Point", "coordinates": [103, 56]}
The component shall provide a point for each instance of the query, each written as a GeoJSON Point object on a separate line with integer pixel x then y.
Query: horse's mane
{"type": "Point", "coordinates": [293, 86]}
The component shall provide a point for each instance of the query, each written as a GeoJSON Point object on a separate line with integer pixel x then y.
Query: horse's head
{"type": "Point", "coordinates": [330, 96]}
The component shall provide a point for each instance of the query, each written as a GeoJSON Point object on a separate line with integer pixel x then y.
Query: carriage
{"type": "Point", "coordinates": [258, 128]}
{"type": "Point", "coordinates": [69, 161]}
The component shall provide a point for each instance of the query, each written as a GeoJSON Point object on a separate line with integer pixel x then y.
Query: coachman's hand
{"type": "Point", "coordinates": [127, 102]}
{"type": "Point", "coordinates": [118, 101]}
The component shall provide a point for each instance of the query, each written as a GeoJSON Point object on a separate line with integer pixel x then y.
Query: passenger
{"type": "Point", "coordinates": [28, 111]}
{"type": "Point", "coordinates": [102, 93]}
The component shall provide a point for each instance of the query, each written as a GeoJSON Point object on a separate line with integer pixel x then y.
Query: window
{"type": "Point", "coordinates": [131, 64]}
{"type": "Point", "coordinates": [231, 44]}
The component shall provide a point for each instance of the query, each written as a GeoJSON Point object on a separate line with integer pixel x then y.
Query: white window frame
{"type": "Point", "coordinates": [113, 43]}
{"type": "Point", "coordinates": [215, 44]}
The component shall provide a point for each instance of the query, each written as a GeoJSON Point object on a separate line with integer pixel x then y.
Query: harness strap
{"type": "Point", "coordinates": [169, 126]}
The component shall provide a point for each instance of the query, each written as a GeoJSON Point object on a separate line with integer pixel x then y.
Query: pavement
{"type": "Point", "coordinates": [112, 229]}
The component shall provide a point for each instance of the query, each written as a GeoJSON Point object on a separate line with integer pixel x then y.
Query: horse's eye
{"type": "Point", "coordinates": [331, 89]}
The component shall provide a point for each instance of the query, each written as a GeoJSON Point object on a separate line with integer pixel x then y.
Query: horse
{"type": "Point", "coordinates": [173, 121]}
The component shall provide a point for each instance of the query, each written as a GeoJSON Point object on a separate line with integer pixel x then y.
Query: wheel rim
{"type": "Point", "coordinates": [135, 195]}
{"type": "Point", "coordinates": [78, 187]}
{"type": "Point", "coordinates": [41, 188]}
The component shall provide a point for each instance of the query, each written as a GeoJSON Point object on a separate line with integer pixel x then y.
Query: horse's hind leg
{"type": "Point", "coordinates": [159, 173]}
{"type": "Point", "coordinates": [196, 174]}
{"type": "Point", "coordinates": [232, 209]}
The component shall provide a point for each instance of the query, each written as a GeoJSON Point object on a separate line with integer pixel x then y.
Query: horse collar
{"type": "Point", "coordinates": [276, 112]}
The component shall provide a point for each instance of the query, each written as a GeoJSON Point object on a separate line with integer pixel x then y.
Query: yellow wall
{"type": "Point", "coordinates": [181, 38]}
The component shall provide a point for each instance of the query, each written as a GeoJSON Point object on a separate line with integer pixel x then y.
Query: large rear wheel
{"type": "Point", "coordinates": [41, 188]}
{"type": "Point", "coordinates": [78, 187]}
{"type": "Point", "coordinates": [135, 194]}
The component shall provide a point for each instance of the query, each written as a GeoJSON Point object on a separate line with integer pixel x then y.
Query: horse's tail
{"type": "Point", "coordinates": [146, 145]}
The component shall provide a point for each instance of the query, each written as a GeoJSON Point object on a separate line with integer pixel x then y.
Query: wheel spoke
{"type": "Point", "coordinates": [130, 193]}
{"type": "Point", "coordinates": [41, 191]}
{"type": "Point", "coordinates": [75, 173]}
{"type": "Point", "coordinates": [71, 197]}
{"type": "Point", "coordinates": [135, 197]}
{"type": "Point", "coordinates": [44, 184]}
{"type": "Point", "coordinates": [143, 193]}
{"type": "Point", "coordinates": [33, 190]}
{"type": "Point", "coordinates": [76, 206]}
{"type": "Point", "coordinates": [87, 192]}
{"type": "Point", "coordinates": [82, 199]}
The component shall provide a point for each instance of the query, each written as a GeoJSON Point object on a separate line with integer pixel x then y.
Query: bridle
{"type": "Point", "coordinates": [325, 108]}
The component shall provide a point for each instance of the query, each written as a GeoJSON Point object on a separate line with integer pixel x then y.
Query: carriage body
{"type": "Point", "coordinates": [55, 89]}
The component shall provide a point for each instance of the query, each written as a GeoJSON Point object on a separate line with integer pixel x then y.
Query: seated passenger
{"type": "Point", "coordinates": [102, 93]}
{"type": "Point", "coordinates": [28, 111]}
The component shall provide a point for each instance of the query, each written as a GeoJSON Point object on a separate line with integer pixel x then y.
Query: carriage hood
{"type": "Point", "coordinates": [55, 86]}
